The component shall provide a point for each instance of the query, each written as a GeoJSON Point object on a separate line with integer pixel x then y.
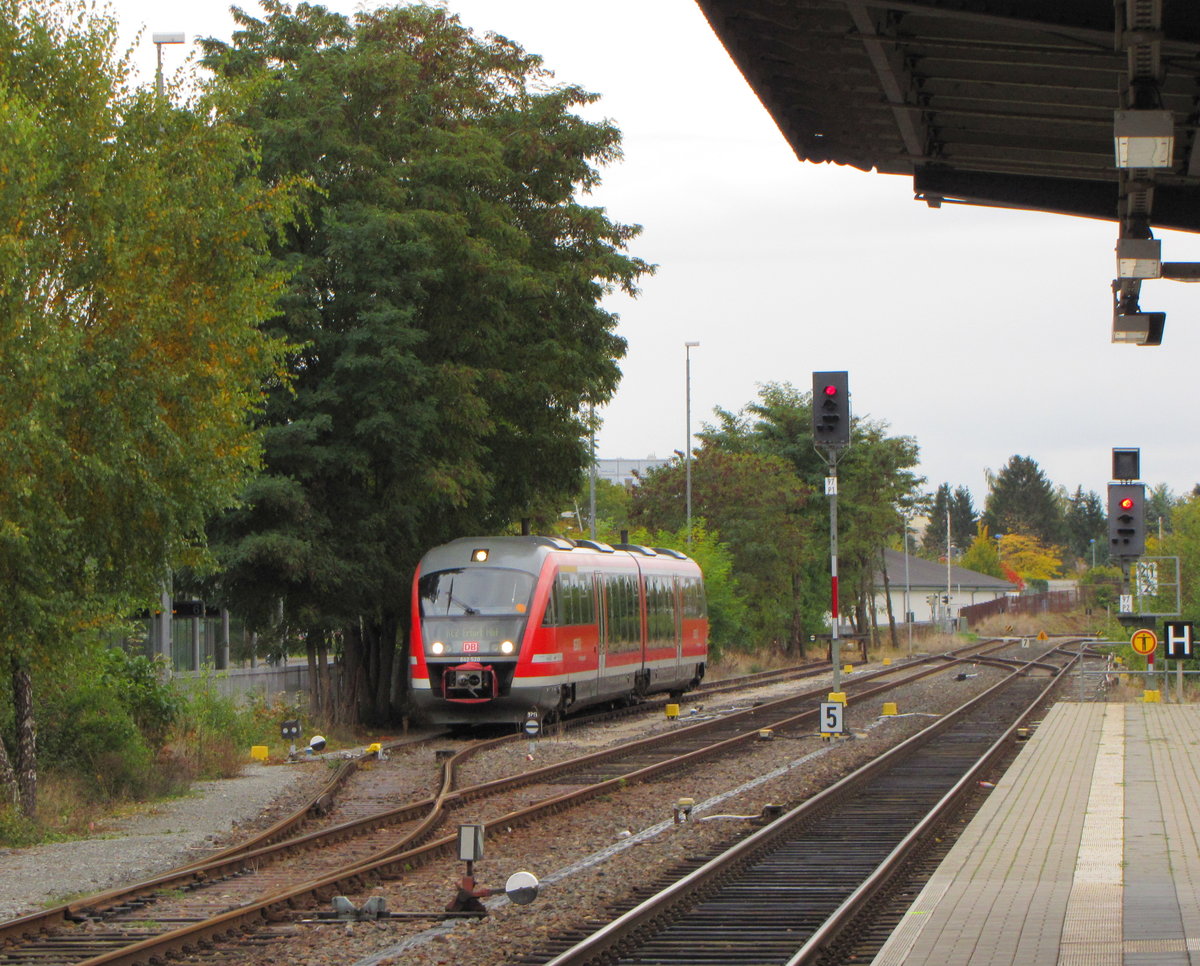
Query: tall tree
{"type": "Point", "coordinates": [933, 542]}
{"type": "Point", "coordinates": [1160, 502]}
{"type": "Point", "coordinates": [963, 518]}
{"type": "Point", "coordinates": [877, 488]}
{"type": "Point", "coordinates": [754, 502]}
{"type": "Point", "coordinates": [448, 301]}
{"type": "Point", "coordinates": [1085, 524]}
{"type": "Point", "coordinates": [1183, 541]}
{"type": "Point", "coordinates": [133, 278]}
{"type": "Point", "coordinates": [1022, 500]}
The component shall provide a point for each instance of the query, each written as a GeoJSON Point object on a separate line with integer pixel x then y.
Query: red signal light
{"type": "Point", "coordinates": [1127, 503]}
{"type": "Point", "coordinates": [831, 390]}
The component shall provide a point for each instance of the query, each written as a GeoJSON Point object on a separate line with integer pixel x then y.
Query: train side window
{"type": "Point", "coordinates": [550, 618]}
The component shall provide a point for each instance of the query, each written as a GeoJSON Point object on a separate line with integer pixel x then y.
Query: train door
{"type": "Point", "coordinates": [677, 606]}
{"type": "Point", "coordinates": [601, 630]}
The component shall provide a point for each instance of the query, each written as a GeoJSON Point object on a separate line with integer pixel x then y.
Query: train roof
{"type": "Point", "coordinates": [528, 552]}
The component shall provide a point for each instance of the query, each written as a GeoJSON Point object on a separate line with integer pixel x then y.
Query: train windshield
{"type": "Point", "coordinates": [475, 591]}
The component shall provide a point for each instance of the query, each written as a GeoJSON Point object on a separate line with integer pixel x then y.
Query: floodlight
{"type": "Point", "coordinates": [1144, 139]}
{"type": "Point", "coordinates": [1139, 328]}
{"type": "Point", "coordinates": [173, 38]}
{"type": "Point", "coordinates": [1139, 258]}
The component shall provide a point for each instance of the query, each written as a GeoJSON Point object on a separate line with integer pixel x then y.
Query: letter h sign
{"type": "Point", "coordinates": [1177, 636]}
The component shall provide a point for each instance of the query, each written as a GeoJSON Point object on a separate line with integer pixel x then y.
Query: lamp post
{"type": "Point", "coordinates": [159, 40]}
{"type": "Point", "coordinates": [907, 603]}
{"type": "Point", "coordinates": [949, 551]}
{"type": "Point", "coordinates": [687, 449]}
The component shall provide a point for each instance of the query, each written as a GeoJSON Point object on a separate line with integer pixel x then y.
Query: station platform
{"type": "Point", "coordinates": [1087, 852]}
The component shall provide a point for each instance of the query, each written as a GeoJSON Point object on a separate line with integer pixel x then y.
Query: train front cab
{"type": "Point", "coordinates": [581, 628]}
{"type": "Point", "coordinates": [475, 604]}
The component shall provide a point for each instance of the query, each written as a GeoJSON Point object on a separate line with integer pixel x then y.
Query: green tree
{"type": "Point", "coordinates": [877, 491]}
{"type": "Point", "coordinates": [960, 507]}
{"type": "Point", "coordinates": [1183, 541]}
{"type": "Point", "coordinates": [1160, 501]}
{"type": "Point", "coordinates": [1022, 500]}
{"type": "Point", "coordinates": [963, 518]}
{"type": "Point", "coordinates": [1085, 523]}
{"type": "Point", "coordinates": [933, 542]}
{"type": "Point", "coordinates": [133, 278]}
{"type": "Point", "coordinates": [754, 503]}
{"type": "Point", "coordinates": [728, 608]}
{"type": "Point", "coordinates": [448, 288]}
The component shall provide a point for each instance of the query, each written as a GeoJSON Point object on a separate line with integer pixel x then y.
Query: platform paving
{"type": "Point", "coordinates": [1087, 852]}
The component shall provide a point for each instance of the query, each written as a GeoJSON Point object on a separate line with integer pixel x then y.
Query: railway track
{"type": "Point", "coordinates": [290, 866]}
{"type": "Point", "coordinates": [788, 892]}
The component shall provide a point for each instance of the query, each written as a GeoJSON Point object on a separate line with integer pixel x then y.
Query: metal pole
{"type": "Point", "coordinates": [592, 470]}
{"type": "Point", "coordinates": [947, 569]}
{"type": "Point", "coordinates": [158, 40]}
{"type": "Point", "coordinates": [835, 644]}
{"type": "Point", "coordinates": [907, 601]}
{"type": "Point", "coordinates": [687, 449]}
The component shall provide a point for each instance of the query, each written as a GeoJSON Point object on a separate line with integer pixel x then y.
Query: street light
{"type": "Point", "coordinates": [159, 40]}
{"type": "Point", "coordinates": [907, 602]}
{"type": "Point", "coordinates": [687, 449]}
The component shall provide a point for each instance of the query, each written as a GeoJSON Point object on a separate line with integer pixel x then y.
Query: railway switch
{"type": "Point", "coordinates": [373, 908]}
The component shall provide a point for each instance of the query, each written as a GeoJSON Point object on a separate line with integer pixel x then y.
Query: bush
{"type": "Point", "coordinates": [212, 734]}
{"type": "Point", "coordinates": [141, 686]}
{"type": "Point", "coordinates": [90, 735]}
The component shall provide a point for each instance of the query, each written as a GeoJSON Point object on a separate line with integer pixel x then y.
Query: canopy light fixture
{"type": "Point", "coordinates": [1139, 328]}
{"type": "Point", "coordinates": [1144, 139]}
{"type": "Point", "coordinates": [1139, 258]}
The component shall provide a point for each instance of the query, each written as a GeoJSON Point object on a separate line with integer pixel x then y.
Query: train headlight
{"type": "Point", "coordinates": [507, 647]}
{"type": "Point", "coordinates": [437, 647]}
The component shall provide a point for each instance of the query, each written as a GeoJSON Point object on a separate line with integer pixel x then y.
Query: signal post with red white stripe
{"type": "Point", "coordinates": [831, 435]}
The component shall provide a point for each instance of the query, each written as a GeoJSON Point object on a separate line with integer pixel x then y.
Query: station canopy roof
{"type": "Point", "coordinates": [1007, 103]}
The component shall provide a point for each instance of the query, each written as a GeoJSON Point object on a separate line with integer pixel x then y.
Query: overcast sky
{"type": "Point", "coordinates": [980, 332]}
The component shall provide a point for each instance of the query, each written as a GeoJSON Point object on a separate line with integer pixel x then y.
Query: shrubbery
{"type": "Point", "coordinates": [114, 728]}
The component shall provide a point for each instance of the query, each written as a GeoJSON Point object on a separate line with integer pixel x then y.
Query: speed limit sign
{"type": "Point", "coordinates": [832, 718]}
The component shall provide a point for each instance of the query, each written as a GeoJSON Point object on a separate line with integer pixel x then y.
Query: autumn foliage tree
{"type": "Point", "coordinates": [133, 279]}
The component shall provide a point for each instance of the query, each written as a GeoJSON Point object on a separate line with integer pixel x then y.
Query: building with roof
{"type": "Point", "coordinates": [933, 592]}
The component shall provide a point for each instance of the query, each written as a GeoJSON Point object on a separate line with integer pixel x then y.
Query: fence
{"type": "Point", "coordinates": [1054, 602]}
{"type": "Point", "coordinates": [264, 681]}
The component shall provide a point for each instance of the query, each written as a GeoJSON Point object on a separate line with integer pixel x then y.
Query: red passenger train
{"type": "Point", "coordinates": [506, 625]}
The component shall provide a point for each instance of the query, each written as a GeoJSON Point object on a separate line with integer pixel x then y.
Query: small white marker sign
{"type": "Point", "coordinates": [832, 718]}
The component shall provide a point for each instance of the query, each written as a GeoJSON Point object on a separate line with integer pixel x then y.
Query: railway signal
{"type": "Point", "coordinates": [1126, 519]}
{"type": "Point", "coordinates": [831, 409]}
